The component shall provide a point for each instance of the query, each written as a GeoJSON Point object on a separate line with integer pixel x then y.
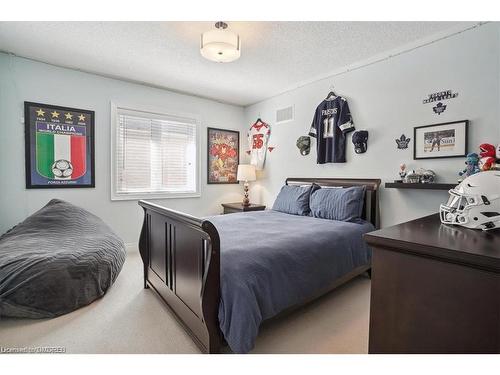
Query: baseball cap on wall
{"type": "Point", "coordinates": [304, 144]}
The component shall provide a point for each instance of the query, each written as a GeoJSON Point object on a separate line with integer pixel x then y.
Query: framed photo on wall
{"type": "Point", "coordinates": [445, 140]}
{"type": "Point", "coordinates": [59, 146]}
{"type": "Point", "coordinates": [223, 149]}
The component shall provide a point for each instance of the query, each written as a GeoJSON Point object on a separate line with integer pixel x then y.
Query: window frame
{"type": "Point", "coordinates": [120, 196]}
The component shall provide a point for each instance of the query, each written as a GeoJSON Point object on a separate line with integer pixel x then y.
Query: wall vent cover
{"type": "Point", "coordinates": [284, 114]}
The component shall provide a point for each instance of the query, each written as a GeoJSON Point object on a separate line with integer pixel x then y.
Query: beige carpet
{"type": "Point", "coordinates": [130, 319]}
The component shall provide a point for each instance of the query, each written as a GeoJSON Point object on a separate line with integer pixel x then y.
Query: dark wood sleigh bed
{"type": "Point", "coordinates": [181, 256]}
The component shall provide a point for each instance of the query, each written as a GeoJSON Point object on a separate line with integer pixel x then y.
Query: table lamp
{"type": "Point", "coordinates": [246, 172]}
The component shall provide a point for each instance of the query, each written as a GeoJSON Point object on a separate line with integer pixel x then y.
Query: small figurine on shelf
{"type": "Point", "coordinates": [412, 177]}
{"type": "Point", "coordinates": [402, 172]}
{"type": "Point", "coordinates": [427, 176]}
{"type": "Point", "coordinates": [472, 163]}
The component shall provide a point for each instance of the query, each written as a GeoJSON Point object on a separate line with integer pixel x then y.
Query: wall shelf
{"type": "Point", "coordinates": [430, 186]}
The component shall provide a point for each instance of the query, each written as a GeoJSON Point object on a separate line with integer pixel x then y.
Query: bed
{"type": "Point", "coordinates": [223, 276]}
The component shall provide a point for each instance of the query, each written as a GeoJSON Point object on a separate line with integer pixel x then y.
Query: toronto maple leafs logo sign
{"type": "Point", "coordinates": [441, 95]}
{"type": "Point", "coordinates": [402, 142]}
{"type": "Point", "coordinates": [439, 108]}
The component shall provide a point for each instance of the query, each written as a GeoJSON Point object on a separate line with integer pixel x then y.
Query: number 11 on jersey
{"type": "Point", "coordinates": [328, 127]}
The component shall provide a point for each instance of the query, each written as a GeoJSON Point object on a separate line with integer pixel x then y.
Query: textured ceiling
{"type": "Point", "coordinates": [275, 55]}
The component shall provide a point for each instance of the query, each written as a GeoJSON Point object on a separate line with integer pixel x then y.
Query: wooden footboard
{"type": "Point", "coordinates": [181, 255]}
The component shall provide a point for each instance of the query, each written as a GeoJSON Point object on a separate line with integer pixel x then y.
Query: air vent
{"type": "Point", "coordinates": [284, 115]}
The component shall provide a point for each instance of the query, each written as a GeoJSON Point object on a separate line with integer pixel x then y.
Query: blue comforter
{"type": "Point", "coordinates": [271, 261]}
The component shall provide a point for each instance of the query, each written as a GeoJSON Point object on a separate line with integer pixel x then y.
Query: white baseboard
{"type": "Point", "coordinates": [131, 247]}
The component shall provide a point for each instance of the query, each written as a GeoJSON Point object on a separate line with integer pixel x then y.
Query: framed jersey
{"type": "Point", "coordinates": [331, 122]}
{"type": "Point", "coordinates": [59, 146]}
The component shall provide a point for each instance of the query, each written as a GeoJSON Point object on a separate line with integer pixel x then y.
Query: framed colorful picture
{"type": "Point", "coordinates": [59, 146]}
{"type": "Point", "coordinates": [223, 156]}
{"type": "Point", "coordinates": [445, 140]}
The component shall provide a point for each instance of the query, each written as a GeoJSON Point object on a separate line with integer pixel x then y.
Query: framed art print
{"type": "Point", "coordinates": [223, 157]}
{"type": "Point", "coordinates": [59, 146]}
{"type": "Point", "coordinates": [446, 140]}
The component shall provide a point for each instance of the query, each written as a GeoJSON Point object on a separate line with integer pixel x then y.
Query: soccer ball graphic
{"type": "Point", "coordinates": [62, 168]}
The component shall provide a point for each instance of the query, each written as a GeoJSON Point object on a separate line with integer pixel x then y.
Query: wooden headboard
{"type": "Point", "coordinates": [371, 207]}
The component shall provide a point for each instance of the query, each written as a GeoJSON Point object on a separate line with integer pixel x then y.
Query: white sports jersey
{"type": "Point", "coordinates": [258, 135]}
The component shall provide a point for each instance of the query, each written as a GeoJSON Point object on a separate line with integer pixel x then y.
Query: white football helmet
{"type": "Point", "coordinates": [475, 202]}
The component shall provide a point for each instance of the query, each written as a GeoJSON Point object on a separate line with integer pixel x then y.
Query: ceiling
{"type": "Point", "coordinates": [275, 55]}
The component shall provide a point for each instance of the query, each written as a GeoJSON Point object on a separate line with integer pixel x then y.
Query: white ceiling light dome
{"type": "Point", "coordinates": [220, 45]}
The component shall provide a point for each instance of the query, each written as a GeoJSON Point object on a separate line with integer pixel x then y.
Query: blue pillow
{"type": "Point", "coordinates": [294, 199]}
{"type": "Point", "coordinates": [344, 204]}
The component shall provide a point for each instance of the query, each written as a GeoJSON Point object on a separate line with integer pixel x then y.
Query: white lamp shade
{"type": "Point", "coordinates": [220, 45]}
{"type": "Point", "coordinates": [246, 172]}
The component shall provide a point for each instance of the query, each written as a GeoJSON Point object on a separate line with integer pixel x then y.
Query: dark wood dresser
{"type": "Point", "coordinates": [435, 289]}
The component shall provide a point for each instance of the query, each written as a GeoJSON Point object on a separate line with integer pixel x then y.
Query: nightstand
{"type": "Point", "coordinates": [230, 208]}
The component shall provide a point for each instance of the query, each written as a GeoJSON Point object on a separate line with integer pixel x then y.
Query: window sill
{"type": "Point", "coordinates": [138, 196]}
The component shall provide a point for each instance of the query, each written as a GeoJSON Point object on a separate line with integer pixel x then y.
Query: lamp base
{"type": "Point", "coordinates": [246, 201]}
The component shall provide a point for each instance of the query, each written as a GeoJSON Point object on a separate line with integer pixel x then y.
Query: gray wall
{"type": "Point", "coordinates": [23, 80]}
{"type": "Point", "coordinates": [386, 99]}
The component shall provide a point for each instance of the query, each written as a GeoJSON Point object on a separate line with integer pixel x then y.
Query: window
{"type": "Point", "coordinates": [155, 155]}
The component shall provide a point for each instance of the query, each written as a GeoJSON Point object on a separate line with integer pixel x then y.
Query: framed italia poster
{"type": "Point", "coordinates": [223, 156]}
{"type": "Point", "coordinates": [446, 140]}
{"type": "Point", "coordinates": [59, 146]}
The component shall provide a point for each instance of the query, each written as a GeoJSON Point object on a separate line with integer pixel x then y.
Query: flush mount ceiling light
{"type": "Point", "coordinates": [220, 45]}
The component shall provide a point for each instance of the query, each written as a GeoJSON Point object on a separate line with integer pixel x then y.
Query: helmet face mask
{"type": "Point", "coordinates": [453, 211]}
{"type": "Point", "coordinates": [475, 203]}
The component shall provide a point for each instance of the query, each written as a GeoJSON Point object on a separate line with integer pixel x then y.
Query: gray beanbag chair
{"type": "Point", "coordinates": [57, 260]}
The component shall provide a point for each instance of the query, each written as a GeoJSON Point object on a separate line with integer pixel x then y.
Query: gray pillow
{"type": "Point", "coordinates": [294, 199]}
{"type": "Point", "coordinates": [344, 204]}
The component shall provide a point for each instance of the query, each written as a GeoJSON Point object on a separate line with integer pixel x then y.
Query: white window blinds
{"type": "Point", "coordinates": [155, 154]}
